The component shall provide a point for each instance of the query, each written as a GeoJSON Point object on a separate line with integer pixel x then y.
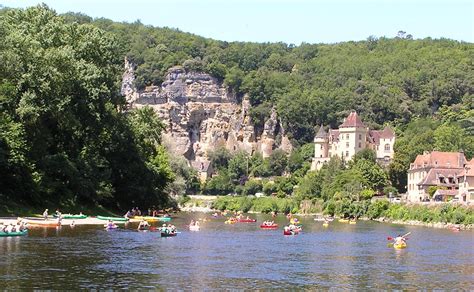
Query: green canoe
{"type": "Point", "coordinates": [21, 233]}
{"type": "Point", "coordinates": [69, 216]}
{"type": "Point", "coordinates": [119, 219]}
{"type": "Point", "coordinates": [163, 219]}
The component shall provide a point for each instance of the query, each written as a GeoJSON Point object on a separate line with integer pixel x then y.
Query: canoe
{"type": "Point", "coordinates": [294, 221]}
{"type": "Point", "coordinates": [325, 224]}
{"type": "Point", "coordinates": [194, 228]}
{"type": "Point", "coordinates": [230, 222]}
{"type": "Point", "coordinates": [146, 218]}
{"type": "Point", "coordinates": [274, 226]}
{"type": "Point", "coordinates": [8, 234]}
{"type": "Point", "coordinates": [246, 220]}
{"type": "Point", "coordinates": [119, 219]}
{"type": "Point", "coordinates": [70, 216]}
{"type": "Point", "coordinates": [43, 223]}
{"type": "Point", "coordinates": [164, 219]}
{"type": "Point", "coordinates": [164, 234]}
{"type": "Point", "coordinates": [290, 232]}
{"type": "Point", "coordinates": [400, 246]}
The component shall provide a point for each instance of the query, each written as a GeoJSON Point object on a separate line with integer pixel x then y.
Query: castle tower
{"type": "Point", "coordinates": [352, 136]}
{"type": "Point", "coordinates": [321, 144]}
{"type": "Point", "coordinates": [321, 147]}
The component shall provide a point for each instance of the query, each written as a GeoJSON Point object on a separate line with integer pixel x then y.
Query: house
{"type": "Point", "coordinates": [352, 137]}
{"type": "Point", "coordinates": [204, 169]}
{"type": "Point", "coordinates": [441, 169]}
{"type": "Point", "coordinates": [466, 184]}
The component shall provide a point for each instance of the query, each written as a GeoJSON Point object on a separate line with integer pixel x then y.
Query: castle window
{"type": "Point", "coordinates": [360, 136]}
{"type": "Point", "coordinates": [360, 145]}
{"type": "Point", "coordinates": [347, 136]}
{"type": "Point", "coordinates": [347, 153]}
{"type": "Point", "coordinates": [347, 144]}
{"type": "Point", "coordinates": [321, 147]}
{"type": "Point", "coordinates": [387, 147]}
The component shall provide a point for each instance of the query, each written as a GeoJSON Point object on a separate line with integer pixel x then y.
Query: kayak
{"type": "Point", "coordinates": [111, 227]}
{"type": "Point", "coordinates": [400, 245]}
{"type": "Point", "coordinates": [164, 234]}
{"type": "Point", "coordinates": [194, 228]}
{"type": "Point", "coordinates": [246, 220]}
{"type": "Point", "coordinates": [230, 222]}
{"type": "Point", "coordinates": [274, 226]}
{"type": "Point", "coordinates": [352, 222]}
{"type": "Point", "coordinates": [325, 224]}
{"type": "Point", "coordinates": [343, 220]}
{"type": "Point", "coordinates": [164, 219]}
{"type": "Point", "coordinates": [7, 234]}
{"type": "Point", "coordinates": [119, 219]}
{"type": "Point", "coordinates": [146, 218]}
{"type": "Point", "coordinates": [70, 216]}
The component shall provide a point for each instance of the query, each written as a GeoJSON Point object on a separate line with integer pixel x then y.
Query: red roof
{"type": "Point", "coordinates": [352, 121]}
{"type": "Point", "coordinates": [433, 176]}
{"type": "Point", "coordinates": [387, 133]}
{"type": "Point", "coordinates": [440, 160]}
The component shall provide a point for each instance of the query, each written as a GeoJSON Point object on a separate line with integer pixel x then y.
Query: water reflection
{"type": "Point", "coordinates": [237, 256]}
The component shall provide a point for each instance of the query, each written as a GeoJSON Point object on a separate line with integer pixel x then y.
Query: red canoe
{"type": "Point", "coordinates": [164, 234]}
{"type": "Point", "coordinates": [246, 220]}
{"type": "Point", "coordinates": [274, 226]}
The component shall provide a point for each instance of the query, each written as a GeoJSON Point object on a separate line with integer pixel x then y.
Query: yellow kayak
{"type": "Point", "coordinates": [325, 224]}
{"type": "Point", "coordinates": [343, 220]}
{"type": "Point", "coordinates": [352, 222]}
{"type": "Point", "coordinates": [230, 222]}
{"type": "Point", "coordinates": [146, 218]}
{"type": "Point", "coordinates": [400, 245]}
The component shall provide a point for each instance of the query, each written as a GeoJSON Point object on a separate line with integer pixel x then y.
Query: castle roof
{"type": "Point", "coordinates": [321, 133]}
{"type": "Point", "coordinates": [352, 121]}
{"type": "Point", "coordinates": [387, 133]}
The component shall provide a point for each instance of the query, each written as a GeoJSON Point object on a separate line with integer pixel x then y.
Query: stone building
{"type": "Point", "coordinates": [352, 137]}
{"type": "Point", "coordinates": [449, 171]}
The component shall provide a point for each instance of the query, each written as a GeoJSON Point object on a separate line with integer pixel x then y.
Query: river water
{"type": "Point", "coordinates": [241, 256]}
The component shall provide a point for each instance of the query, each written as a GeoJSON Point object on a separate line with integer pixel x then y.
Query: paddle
{"type": "Point", "coordinates": [391, 238]}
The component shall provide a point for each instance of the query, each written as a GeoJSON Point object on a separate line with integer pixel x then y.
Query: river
{"type": "Point", "coordinates": [238, 256]}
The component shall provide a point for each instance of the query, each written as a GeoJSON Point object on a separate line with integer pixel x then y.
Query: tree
{"type": "Point", "coordinates": [220, 158]}
{"type": "Point", "coordinates": [452, 138]}
{"type": "Point", "coordinates": [277, 162]}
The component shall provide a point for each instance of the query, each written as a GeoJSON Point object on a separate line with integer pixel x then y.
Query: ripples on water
{"type": "Point", "coordinates": [238, 256]}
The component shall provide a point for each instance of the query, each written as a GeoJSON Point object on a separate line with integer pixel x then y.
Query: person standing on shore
{"type": "Point", "coordinates": [45, 214]}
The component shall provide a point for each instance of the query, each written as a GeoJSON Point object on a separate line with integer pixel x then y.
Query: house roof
{"type": "Point", "coordinates": [440, 160]}
{"type": "Point", "coordinates": [446, 192]}
{"type": "Point", "coordinates": [470, 168]}
{"type": "Point", "coordinates": [352, 121]}
{"type": "Point", "coordinates": [321, 133]}
{"type": "Point", "coordinates": [433, 175]}
{"type": "Point", "coordinates": [374, 137]}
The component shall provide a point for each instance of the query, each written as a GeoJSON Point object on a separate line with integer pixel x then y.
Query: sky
{"type": "Point", "coordinates": [293, 22]}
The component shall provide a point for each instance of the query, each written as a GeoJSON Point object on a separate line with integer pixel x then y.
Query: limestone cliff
{"type": "Point", "coordinates": [200, 115]}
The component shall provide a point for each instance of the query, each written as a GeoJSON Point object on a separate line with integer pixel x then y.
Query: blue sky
{"type": "Point", "coordinates": [287, 21]}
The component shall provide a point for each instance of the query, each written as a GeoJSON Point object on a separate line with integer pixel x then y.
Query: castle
{"type": "Point", "coordinates": [352, 137]}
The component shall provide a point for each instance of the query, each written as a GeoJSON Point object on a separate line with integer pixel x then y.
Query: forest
{"type": "Point", "coordinates": [66, 136]}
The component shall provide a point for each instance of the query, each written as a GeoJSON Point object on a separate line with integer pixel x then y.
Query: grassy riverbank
{"type": "Point", "coordinates": [444, 213]}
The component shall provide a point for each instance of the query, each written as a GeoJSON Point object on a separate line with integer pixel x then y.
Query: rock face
{"type": "Point", "coordinates": [201, 115]}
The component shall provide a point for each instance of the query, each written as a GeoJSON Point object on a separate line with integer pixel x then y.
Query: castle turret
{"type": "Point", "coordinates": [321, 147]}
{"type": "Point", "coordinates": [352, 136]}
{"type": "Point", "coordinates": [321, 143]}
